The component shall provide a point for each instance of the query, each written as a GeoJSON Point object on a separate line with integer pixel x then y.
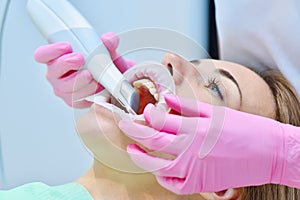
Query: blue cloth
{"type": "Point", "coordinates": [41, 191]}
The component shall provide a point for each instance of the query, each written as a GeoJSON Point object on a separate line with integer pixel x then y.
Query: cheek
{"type": "Point", "coordinates": [98, 129]}
{"type": "Point", "coordinates": [87, 127]}
{"type": "Point", "coordinates": [100, 133]}
{"type": "Point", "coordinates": [192, 89]}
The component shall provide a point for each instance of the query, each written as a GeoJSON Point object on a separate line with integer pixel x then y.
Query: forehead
{"type": "Point", "coordinates": [257, 97]}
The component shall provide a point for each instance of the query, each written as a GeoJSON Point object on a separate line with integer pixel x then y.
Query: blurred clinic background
{"type": "Point", "coordinates": [38, 139]}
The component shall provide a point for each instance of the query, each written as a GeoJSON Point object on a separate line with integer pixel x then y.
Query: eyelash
{"type": "Point", "coordinates": [213, 85]}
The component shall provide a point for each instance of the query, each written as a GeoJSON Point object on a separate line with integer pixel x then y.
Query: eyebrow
{"type": "Point", "coordinates": [195, 62]}
{"type": "Point", "coordinates": [230, 77]}
{"type": "Point", "coordinates": [225, 74]}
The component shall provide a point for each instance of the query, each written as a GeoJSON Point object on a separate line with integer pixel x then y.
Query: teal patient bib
{"type": "Point", "coordinates": [41, 191]}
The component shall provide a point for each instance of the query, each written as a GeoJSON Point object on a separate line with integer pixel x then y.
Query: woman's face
{"type": "Point", "coordinates": [210, 81]}
{"type": "Point", "coordinates": [221, 83]}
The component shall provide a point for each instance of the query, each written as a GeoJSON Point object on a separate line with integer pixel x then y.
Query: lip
{"type": "Point", "coordinates": [158, 74]}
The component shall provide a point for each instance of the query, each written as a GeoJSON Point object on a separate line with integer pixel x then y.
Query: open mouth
{"type": "Point", "coordinates": [150, 79]}
{"type": "Point", "coordinates": [147, 92]}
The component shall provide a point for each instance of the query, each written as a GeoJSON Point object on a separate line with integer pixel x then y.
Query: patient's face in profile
{"type": "Point", "coordinates": [211, 81]}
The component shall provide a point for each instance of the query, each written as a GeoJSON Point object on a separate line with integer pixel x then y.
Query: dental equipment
{"type": "Point", "coordinates": [57, 21]}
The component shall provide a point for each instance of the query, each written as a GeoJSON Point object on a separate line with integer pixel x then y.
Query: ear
{"type": "Point", "coordinates": [229, 194]}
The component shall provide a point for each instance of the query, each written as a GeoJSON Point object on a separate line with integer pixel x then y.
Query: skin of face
{"type": "Point", "coordinates": [211, 81]}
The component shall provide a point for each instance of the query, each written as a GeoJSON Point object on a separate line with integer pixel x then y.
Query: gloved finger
{"type": "Point", "coordinates": [80, 104]}
{"type": "Point", "coordinates": [153, 139]}
{"type": "Point", "coordinates": [146, 161]}
{"type": "Point", "coordinates": [111, 42]}
{"type": "Point", "coordinates": [170, 123]}
{"type": "Point", "coordinates": [75, 82]}
{"type": "Point", "coordinates": [188, 107]}
{"type": "Point", "coordinates": [88, 90]}
{"type": "Point", "coordinates": [76, 104]}
{"type": "Point", "coordinates": [80, 94]}
{"type": "Point", "coordinates": [46, 53]}
{"type": "Point", "coordinates": [123, 64]}
{"type": "Point", "coordinates": [173, 184]}
{"type": "Point", "coordinates": [156, 165]}
{"type": "Point", "coordinates": [63, 65]}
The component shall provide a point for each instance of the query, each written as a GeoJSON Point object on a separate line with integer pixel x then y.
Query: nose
{"type": "Point", "coordinates": [176, 65]}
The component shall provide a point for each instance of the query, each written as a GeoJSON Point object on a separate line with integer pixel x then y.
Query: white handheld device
{"type": "Point", "coordinates": [58, 20]}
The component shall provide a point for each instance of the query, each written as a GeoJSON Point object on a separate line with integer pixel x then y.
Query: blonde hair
{"type": "Point", "coordinates": [287, 111]}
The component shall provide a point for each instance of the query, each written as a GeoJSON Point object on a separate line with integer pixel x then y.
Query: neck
{"type": "Point", "coordinates": [103, 182]}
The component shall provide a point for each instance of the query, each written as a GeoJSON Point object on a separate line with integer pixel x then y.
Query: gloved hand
{"type": "Point", "coordinates": [63, 70]}
{"type": "Point", "coordinates": [215, 148]}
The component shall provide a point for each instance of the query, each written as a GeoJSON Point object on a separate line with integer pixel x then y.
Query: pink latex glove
{"type": "Point", "coordinates": [215, 148]}
{"type": "Point", "coordinates": [63, 65]}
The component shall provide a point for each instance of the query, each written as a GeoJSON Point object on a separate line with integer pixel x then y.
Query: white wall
{"type": "Point", "coordinates": [39, 142]}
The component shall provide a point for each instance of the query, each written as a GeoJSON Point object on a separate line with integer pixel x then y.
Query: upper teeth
{"type": "Point", "coordinates": [149, 84]}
